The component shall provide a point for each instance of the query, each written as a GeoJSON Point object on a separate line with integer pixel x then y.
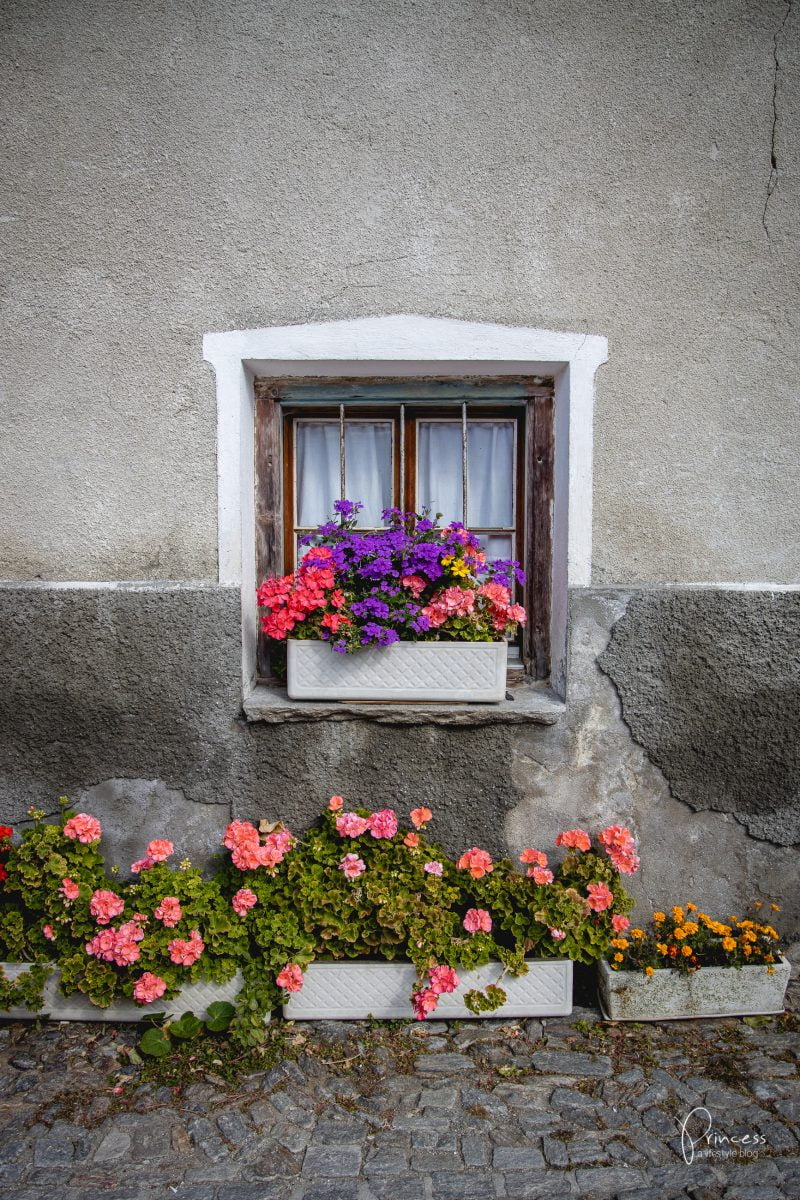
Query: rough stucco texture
{"type": "Point", "coordinates": [128, 702]}
{"type": "Point", "coordinates": [172, 169]}
{"type": "Point", "coordinates": [710, 686]}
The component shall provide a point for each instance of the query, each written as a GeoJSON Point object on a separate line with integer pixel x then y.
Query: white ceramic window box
{"type": "Point", "coordinates": [357, 990]}
{"type": "Point", "coordinates": [194, 997]}
{"type": "Point", "coordinates": [409, 671]}
{"type": "Point", "coordinates": [710, 992]}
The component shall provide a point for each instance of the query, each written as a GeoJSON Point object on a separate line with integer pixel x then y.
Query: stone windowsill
{"type": "Point", "coordinates": [526, 703]}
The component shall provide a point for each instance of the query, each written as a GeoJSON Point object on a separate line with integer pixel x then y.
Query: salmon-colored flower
{"type": "Point", "coordinates": [243, 901]}
{"type": "Point", "coordinates": [576, 839]}
{"type": "Point", "coordinates": [600, 897]}
{"type": "Point", "coordinates": [478, 862]}
{"type": "Point", "coordinates": [47, 930]}
{"type": "Point", "coordinates": [443, 979]}
{"type": "Point", "coordinates": [148, 987]}
{"type": "Point", "coordinates": [105, 905]}
{"type": "Point", "coordinates": [160, 849]}
{"type": "Point", "coordinates": [290, 978]}
{"type": "Point", "coordinates": [169, 911]}
{"type": "Point", "coordinates": [477, 920]}
{"type": "Point", "coordinates": [619, 923]}
{"type": "Point", "coordinates": [335, 803]}
{"type": "Point", "coordinates": [534, 856]}
{"type": "Point", "coordinates": [186, 954]}
{"type": "Point", "coordinates": [352, 865]}
{"type": "Point", "coordinates": [83, 828]}
{"type": "Point", "coordinates": [411, 840]}
{"type": "Point", "coordinates": [69, 889]}
{"type": "Point", "coordinates": [420, 817]}
{"type": "Point", "coordinates": [541, 875]}
{"type": "Point", "coordinates": [351, 825]}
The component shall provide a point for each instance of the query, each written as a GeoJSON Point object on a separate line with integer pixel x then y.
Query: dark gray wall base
{"type": "Point", "coordinates": [710, 686]}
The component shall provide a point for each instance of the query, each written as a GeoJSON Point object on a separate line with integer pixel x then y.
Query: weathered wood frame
{"type": "Point", "coordinates": [273, 468]}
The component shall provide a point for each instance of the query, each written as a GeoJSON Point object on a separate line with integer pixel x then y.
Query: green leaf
{"type": "Point", "coordinates": [156, 1043]}
{"type": "Point", "coordinates": [220, 1015]}
{"type": "Point", "coordinates": [188, 1026]}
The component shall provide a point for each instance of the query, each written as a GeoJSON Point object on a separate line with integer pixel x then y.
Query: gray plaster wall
{"type": "Point", "coordinates": [127, 700]}
{"type": "Point", "coordinates": [628, 168]}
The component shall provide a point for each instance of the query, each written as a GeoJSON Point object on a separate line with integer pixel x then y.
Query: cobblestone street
{"type": "Point", "coordinates": [523, 1109]}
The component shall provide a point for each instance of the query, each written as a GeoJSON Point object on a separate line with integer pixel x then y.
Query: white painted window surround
{"type": "Point", "coordinates": [405, 345]}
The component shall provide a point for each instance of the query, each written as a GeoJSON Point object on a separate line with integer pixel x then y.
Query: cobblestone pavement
{"type": "Point", "coordinates": [568, 1107]}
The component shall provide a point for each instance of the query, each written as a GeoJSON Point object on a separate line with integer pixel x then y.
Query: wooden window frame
{"type": "Point", "coordinates": [534, 409]}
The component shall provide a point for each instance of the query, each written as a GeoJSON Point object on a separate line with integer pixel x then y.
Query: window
{"type": "Point", "coordinates": [477, 450]}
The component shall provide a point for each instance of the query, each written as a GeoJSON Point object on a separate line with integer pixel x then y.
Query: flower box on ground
{"type": "Point", "coordinates": [194, 997]}
{"type": "Point", "coordinates": [356, 990]}
{"type": "Point", "coordinates": [409, 671]}
{"type": "Point", "coordinates": [668, 995]}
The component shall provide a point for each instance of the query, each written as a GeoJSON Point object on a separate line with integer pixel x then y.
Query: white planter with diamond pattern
{"type": "Point", "coordinates": [353, 991]}
{"type": "Point", "coordinates": [194, 997]}
{"type": "Point", "coordinates": [410, 671]}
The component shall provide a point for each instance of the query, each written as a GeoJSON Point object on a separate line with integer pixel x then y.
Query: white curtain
{"type": "Point", "coordinates": [439, 470]}
{"type": "Point", "coordinates": [368, 469]}
{"type": "Point", "coordinates": [490, 472]}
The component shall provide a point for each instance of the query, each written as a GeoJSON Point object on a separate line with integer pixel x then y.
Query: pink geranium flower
{"type": "Point", "coordinates": [540, 875]}
{"type": "Point", "coordinates": [83, 828]}
{"type": "Point", "coordinates": [148, 987]}
{"type": "Point", "coordinates": [351, 825]}
{"type": "Point", "coordinates": [160, 849]}
{"type": "Point", "coordinates": [383, 823]}
{"type": "Point", "coordinates": [352, 865]}
{"type": "Point", "coordinates": [142, 864]}
{"type": "Point", "coordinates": [47, 930]}
{"type": "Point", "coordinates": [619, 923]}
{"type": "Point", "coordinates": [105, 905]}
{"type": "Point", "coordinates": [243, 901]}
{"type": "Point", "coordinates": [576, 839]}
{"type": "Point", "coordinates": [290, 978]}
{"type": "Point", "coordinates": [477, 920]}
{"type": "Point", "coordinates": [443, 979]}
{"type": "Point", "coordinates": [186, 954]}
{"type": "Point", "coordinates": [336, 803]}
{"type": "Point", "coordinates": [69, 890]}
{"type": "Point", "coordinates": [420, 817]}
{"type": "Point", "coordinates": [424, 1002]}
{"type": "Point", "coordinates": [619, 846]}
{"type": "Point", "coordinates": [538, 857]}
{"type": "Point", "coordinates": [169, 911]}
{"type": "Point", "coordinates": [415, 584]}
{"type": "Point", "coordinates": [557, 935]}
{"type": "Point", "coordinates": [600, 897]}
{"type": "Point", "coordinates": [433, 868]}
{"type": "Point", "coordinates": [478, 862]}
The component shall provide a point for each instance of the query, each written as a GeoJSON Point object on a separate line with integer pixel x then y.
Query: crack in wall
{"type": "Point", "coordinates": [772, 182]}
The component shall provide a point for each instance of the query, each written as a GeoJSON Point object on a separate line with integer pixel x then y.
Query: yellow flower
{"type": "Point", "coordinates": [773, 933]}
{"type": "Point", "coordinates": [459, 568]}
{"type": "Point", "coordinates": [747, 950]}
{"type": "Point", "coordinates": [770, 970]}
{"type": "Point", "coordinates": [758, 904]}
{"type": "Point", "coordinates": [618, 958]}
{"type": "Point", "coordinates": [679, 933]}
{"type": "Point", "coordinates": [691, 907]}
{"type": "Point", "coordinates": [769, 958]}
{"type": "Point", "coordinates": [659, 917]}
{"type": "Point", "coordinates": [691, 927]}
{"type": "Point", "coordinates": [677, 912]}
{"type": "Point", "coordinates": [661, 947]}
{"type": "Point", "coordinates": [686, 951]}
{"type": "Point", "coordinates": [749, 936]}
{"type": "Point", "coordinates": [649, 970]}
{"type": "Point", "coordinates": [728, 943]}
{"type": "Point", "coordinates": [775, 907]}
{"type": "Point", "coordinates": [638, 934]}
{"type": "Point", "coordinates": [620, 943]}
{"type": "Point", "coordinates": [447, 561]}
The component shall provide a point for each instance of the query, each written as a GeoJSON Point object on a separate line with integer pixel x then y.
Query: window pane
{"type": "Point", "coordinates": [497, 545]}
{"type": "Point", "coordinates": [490, 473]}
{"type": "Point", "coordinates": [439, 470]}
{"type": "Point", "coordinates": [368, 468]}
{"type": "Point", "coordinates": [317, 470]}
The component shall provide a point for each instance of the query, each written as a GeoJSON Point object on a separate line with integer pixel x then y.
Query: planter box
{"type": "Point", "coordinates": [410, 671]}
{"type": "Point", "coordinates": [194, 997]}
{"type": "Point", "coordinates": [353, 991]}
{"type": "Point", "coordinates": [709, 992]}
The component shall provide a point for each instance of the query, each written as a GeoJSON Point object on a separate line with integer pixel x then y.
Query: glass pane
{"type": "Point", "coordinates": [368, 468]}
{"type": "Point", "coordinates": [497, 545]}
{"type": "Point", "coordinates": [490, 473]}
{"type": "Point", "coordinates": [317, 470]}
{"type": "Point", "coordinates": [439, 469]}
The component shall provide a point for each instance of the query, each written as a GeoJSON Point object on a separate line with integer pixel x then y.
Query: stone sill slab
{"type": "Point", "coordinates": [526, 703]}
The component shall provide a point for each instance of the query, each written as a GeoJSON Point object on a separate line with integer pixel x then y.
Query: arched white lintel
{"type": "Point", "coordinates": [405, 345]}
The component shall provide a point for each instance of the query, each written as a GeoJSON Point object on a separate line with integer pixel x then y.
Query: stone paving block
{"type": "Point", "coordinates": [768, 1192]}
{"type": "Point", "coordinates": [432, 1139]}
{"type": "Point", "coordinates": [399, 1187]}
{"type": "Point", "coordinates": [444, 1064]}
{"type": "Point", "coordinates": [388, 1161]}
{"type": "Point", "coordinates": [438, 1097]}
{"type": "Point", "coordinates": [517, 1158]}
{"type": "Point", "coordinates": [555, 1151]}
{"type": "Point", "coordinates": [206, 1138]}
{"type": "Point", "coordinates": [291, 1137]}
{"type": "Point", "coordinates": [463, 1186]}
{"type": "Point", "coordinates": [573, 1063]}
{"type": "Point", "coordinates": [562, 1097]}
{"type": "Point", "coordinates": [539, 1185]}
{"type": "Point", "coordinates": [334, 1132]}
{"type": "Point", "coordinates": [596, 1183]}
{"type": "Point", "coordinates": [267, 1189]}
{"type": "Point", "coordinates": [475, 1151]}
{"type": "Point", "coordinates": [115, 1145]}
{"type": "Point", "coordinates": [661, 1124]}
{"type": "Point", "coordinates": [54, 1149]}
{"type": "Point", "coordinates": [234, 1128]}
{"type": "Point", "coordinates": [333, 1161]}
{"type": "Point", "coordinates": [333, 1189]}
{"type": "Point", "coordinates": [472, 1097]}
{"type": "Point", "coordinates": [435, 1160]}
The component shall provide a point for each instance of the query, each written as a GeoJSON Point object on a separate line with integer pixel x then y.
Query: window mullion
{"type": "Point", "coordinates": [341, 453]}
{"type": "Point", "coordinates": [465, 496]}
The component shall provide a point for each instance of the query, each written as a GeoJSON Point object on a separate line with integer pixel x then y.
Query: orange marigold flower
{"type": "Point", "coordinates": [686, 951]}
{"type": "Point", "coordinates": [618, 957]}
{"type": "Point", "coordinates": [649, 970]}
{"type": "Point", "coordinates": [638, 934]}
{"type": "Point", "coordinates": [658, 917]}
{"type": "Point", "coordinates": [728, 943]}
{"type": "Point", "coordinates": [691, 907]}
